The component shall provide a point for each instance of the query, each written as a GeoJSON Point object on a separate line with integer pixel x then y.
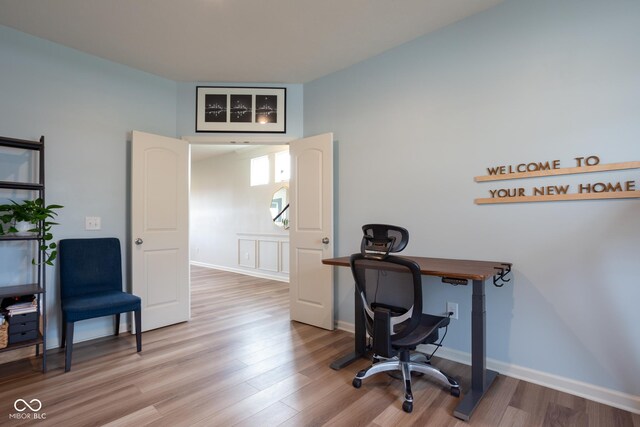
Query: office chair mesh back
{"type": "Point", "coordinates": [393, 284]}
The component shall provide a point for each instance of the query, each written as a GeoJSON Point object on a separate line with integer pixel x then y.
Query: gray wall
{"type": "Point", "coordinates": [85, 107]}
{"type": "Point", "coordinates": [525, 81]}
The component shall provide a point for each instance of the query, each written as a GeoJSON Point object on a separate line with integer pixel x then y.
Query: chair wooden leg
{"type": "Point", "coordinates": [138, 316]}
{"type": "Point", "coordinates": [117, 323]}
{"type": "Point", "coordinates": [69, 349]}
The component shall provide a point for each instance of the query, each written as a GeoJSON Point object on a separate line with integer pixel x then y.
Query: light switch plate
{"type": "Point", "coordinates": [92, 223]}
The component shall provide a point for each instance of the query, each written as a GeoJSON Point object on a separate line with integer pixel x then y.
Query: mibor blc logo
{"type": "Point", "coordinates": [27, 410]}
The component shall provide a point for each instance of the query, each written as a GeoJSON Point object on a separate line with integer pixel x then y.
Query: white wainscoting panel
{"type": "Point", "coordinates": [284, 257]}
{"type": "Point", "coordinates": [264, 255]}
{"type": "Point", "coordinates": [268, 255]}
{"type": "Point", "coordinates": [247, 253]}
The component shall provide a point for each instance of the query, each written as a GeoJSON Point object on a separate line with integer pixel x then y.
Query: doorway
{"type": "Point", "coordinates": [311, 237]}
{"type": "Point", "coordinates": [231, 221]}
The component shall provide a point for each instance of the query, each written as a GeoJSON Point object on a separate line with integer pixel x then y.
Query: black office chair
{"type": "Point", "coordinates": [91, 286]}
{"type": "Point", "coordinates": [391, 292]}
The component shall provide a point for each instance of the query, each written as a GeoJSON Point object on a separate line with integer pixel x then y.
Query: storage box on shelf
{"type": "Point", "coordinates": [23, 327]}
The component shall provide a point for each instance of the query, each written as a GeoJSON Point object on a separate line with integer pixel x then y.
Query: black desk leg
{"type": "Point", "coordinates": [360, 338]}
{"type": "Point", "coordinates": [481, 377]}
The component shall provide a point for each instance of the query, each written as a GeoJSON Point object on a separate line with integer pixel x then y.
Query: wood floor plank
{"type": "Point", "coordinates": [271, 416]}
{"type": "Point", "coordinates": [241, 361]}
{"type": "Point", "coordinates": [497, 399]}
{"type": "Point", "coordinates": [144, 417]}
{"type": "Point", "coordinates": [439, 412]}
{"type": "Point", "coordinates": [365, 407]}
{"type": "Point", "coordinates": [514, 417]}
{"type": "Point", "coordinates": [558, 415]}
{"type": "Point", "coordinates": [603, 415]}
{"type": "Point", "coordinates": [255, 403]}
{"type": "Point", "coordinates": [393, 415]}
{"type": "Point", "coordinates": [323, 410]}
{"type": "Point", "coordinates": [191, 409]}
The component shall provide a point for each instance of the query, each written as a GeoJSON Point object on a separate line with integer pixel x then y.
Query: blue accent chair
{"type": "Point", "coordinates": [91, 286]}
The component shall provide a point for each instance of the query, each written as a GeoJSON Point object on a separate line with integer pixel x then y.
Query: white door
{"type": "Point", "coordinates": [160, 228]}
{"type": "Point", "coordinates": [311, 230]}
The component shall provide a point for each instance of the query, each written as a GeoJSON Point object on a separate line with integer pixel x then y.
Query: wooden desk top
{"type": "Point", "coordinates": [442, 267]}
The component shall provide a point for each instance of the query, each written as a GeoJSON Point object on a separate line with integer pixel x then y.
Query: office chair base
{"type": "Point", "coordinates": [407, 368]}
{"type": "Point", "coordinates": [396, 365]}
{"type": "Point", "coordinates": [416, 356]}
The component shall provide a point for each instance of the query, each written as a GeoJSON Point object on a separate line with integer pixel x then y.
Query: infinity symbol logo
{"type": "Point", "coordinates": [26, 405]}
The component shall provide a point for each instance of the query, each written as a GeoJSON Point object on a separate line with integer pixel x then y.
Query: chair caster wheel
{"type": "Point", "coordinates": [407, 406]}
{"type": "Point", "coordinates": [357, 382]}
{"type": "Point", "coordinates": [455, 391]}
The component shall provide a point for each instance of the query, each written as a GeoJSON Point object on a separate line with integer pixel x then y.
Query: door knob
{"type": "Point", "coordinates": [138, 241]}
{"type": "Point", "coordinates": [325, 240]}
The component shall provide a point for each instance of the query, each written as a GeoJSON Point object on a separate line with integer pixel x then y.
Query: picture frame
{"type": "Point", "coordinates": [241, 109]}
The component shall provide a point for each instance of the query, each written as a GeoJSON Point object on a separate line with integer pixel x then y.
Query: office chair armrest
{"type": "Point", "coordinates": [382, 333]}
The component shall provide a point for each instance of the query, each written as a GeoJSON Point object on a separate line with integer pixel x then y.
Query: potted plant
{"type": "Point", "coordinates": [38, 219]}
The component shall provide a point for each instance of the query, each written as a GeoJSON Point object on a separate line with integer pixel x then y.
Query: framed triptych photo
{"type": "Point", "coordinates": [240, 109]}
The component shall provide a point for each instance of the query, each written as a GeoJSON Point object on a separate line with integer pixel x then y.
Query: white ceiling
{"type": "Point", "coordinates": [253, 41]}
{"type": "Point", "coordinates": [274, 41]}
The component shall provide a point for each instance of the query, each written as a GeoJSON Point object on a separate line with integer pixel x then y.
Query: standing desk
{"type": "Point", "coordinates": [451, 271]}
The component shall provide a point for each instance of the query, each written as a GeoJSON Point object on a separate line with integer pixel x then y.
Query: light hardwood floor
{"type": "Point", "coordinates": [241, 361]}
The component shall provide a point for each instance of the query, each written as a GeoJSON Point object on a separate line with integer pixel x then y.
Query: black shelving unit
{"type": "Point", "coordinates": [38, 287]}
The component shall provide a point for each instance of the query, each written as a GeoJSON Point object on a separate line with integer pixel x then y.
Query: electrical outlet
{"type": "Point", "coordinates": [452, 307]}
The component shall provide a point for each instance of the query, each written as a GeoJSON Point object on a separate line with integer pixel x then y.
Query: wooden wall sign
{"type": "Point", "coordinates": [552, 193]}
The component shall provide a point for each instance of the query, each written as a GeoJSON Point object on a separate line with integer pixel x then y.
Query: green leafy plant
{"type": "Point", "coordinates": [40, 219]}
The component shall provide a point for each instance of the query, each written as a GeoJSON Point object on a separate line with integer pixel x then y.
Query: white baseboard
{"type": "Point", "coordinates": [252, 273]}
{"type": "Point", "coordinates": [617, 399]}
{"type": "Point", "coordinates": [344, 326]}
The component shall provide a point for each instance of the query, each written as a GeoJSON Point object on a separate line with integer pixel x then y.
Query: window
{"type": "Point", "coordinates": [283, 166]}
{"type": "Point", "coordinates": [260, 170]}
